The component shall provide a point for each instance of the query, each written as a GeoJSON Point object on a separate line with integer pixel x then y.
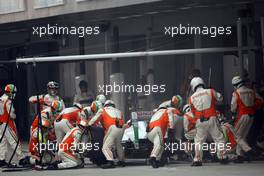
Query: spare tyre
{"type": "Point", "coordinates": [96, 137]}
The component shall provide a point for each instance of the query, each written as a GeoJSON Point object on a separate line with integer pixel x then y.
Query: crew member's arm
{"type": "Point", "coordinates": [62, 103]}
{"type": "Point", "coordinates": [171, 119]}
{"type": "Point", "coordinates": [76, 99]}
{"type": "Point", "coordinates": [33, 99]}
{"type": "Point", "coordinates": [234, 103]}
{"type": "Point", "coordinates": [192, 106]}
{"type": "Point", "coordinates": [77, 139]}
{"type": "Point", "coordinates": [1, 107]}
{"type": "Point", "coordinates": [185, 124]}
{"type": "Point", "coordinates": [218, 96]}
{"type": "Point", "coordinates": [96, 118]}
{"type": "Point", "coordinates": [12, 111]}
{"type": "Point", "coordinates": [128, 124]}
{"type": "Point", "coordinates": [86, 113]}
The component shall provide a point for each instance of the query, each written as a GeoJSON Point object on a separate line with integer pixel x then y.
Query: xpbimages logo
{"type": "Point", "coordinates": [146, 89]}
{"type": "Point", "coordinates": [80, 31]}
{"type": "Point", "coordinates": [212, 31]}
{"type": "Point", "coordinates": [185, 146]}
{"type": "Point", "coordinates": [80, 147]}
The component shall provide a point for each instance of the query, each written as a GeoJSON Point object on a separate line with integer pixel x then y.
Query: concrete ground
{"type": "Point", "coordinates": [139, 167]}
{"type": "Point", "coordinates": [136, 168]}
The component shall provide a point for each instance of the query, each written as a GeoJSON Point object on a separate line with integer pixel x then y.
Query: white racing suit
{"type": "Point", "coordinates": [68, 147]}
{"type": "Point", "coordinates": [10, 136]}
{"type": "Point", "coordinates": [243, 104]}
{"type": "Point", "coordinates": [34, 138]}
{"type": "Point", "coordinates": [203, 107]}
{"type": "Point", "coordinates": [178, 123]}
{"type": "Point", "coordinates": [112, 122]}
{"type": "Point", "coordinates": [46, 100]}
{"type": "Point", "coordinates": [159, 123]}
{"type": "Point", "coordinates": [231, 138]}
{"type": "Point", "coordinates": [33, 146]}
{"type": "Point", "coordinates": [66, 121]}
{"type": "Point", "coordinates": [189, 122]}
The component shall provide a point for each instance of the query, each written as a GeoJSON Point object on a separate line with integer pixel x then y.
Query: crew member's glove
{"type": "Point", "coordinates": [129, 123]}
{"type": "Point", "coordinates": [202, 118]}
{"type": "Point", "coordinates": [147, 128]}
{"type": "Point", "coordinates": [233, 120]}
{"type": "Point", "coordinates": [89, 128]}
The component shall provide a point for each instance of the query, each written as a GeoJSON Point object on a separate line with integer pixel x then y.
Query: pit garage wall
{"type": "Point", "coordinates": [171, 70]}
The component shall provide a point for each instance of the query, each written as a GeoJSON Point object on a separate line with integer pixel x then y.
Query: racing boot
{"type": "Point", "coordinates": [24, 161]}
{"type": "Point", "coordinates": [248, 155]}
{"type": "Point", "coordinates": [239, 159]}
{"type": "Point", "coordinates": [108, 165]}
{"type": "Point", "coordinates": [163, 161]}
{"type": "Point", "coordinates": [3, 163]}
{"type": "Point", "coordinates": [197, 163]}
{"type": "Point", "coordinates": [154, 162]}
{"type": "Point", "coordinates": [54, 165]}
{"type": "Point", "coordinates": [81, 165]}
{"type": "Point", "coordinates": [121, 163]}
{"type": "Point", "coordinates": [224, 161]}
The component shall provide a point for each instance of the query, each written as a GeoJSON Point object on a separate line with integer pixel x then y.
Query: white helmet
{"type": "Point", "coordinates": [109, 103]}
{"type": "Point", "coordinates": [165, 105]}
{"type": "Point", "coordinates": [77, 105]}
{"type": "Point", "coordinates": [196, 82]}
{"type": "Point", "coordinates": [186, 108]}
{"type": "Point", "coordinates": [52, 88]}
{"type": "Point", "coordinates": [101, 98]}
{"type": "Point", "coordinates": [86, 112]}
{"type": "Point", "coordinates": [237, 81]}
{"type": "Point", "coordinates": [52, 85]}
{"type": "Point", "coordinates": [95, 106]}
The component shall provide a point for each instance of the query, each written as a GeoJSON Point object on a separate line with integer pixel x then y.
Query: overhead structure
{"type": "Point", "coordinates": [132, 54]}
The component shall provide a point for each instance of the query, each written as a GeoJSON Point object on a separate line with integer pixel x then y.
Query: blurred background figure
{"type": "Point", "coordinates": [86, 96]}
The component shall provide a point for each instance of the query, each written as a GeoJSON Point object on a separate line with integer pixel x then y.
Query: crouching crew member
{"type": "Point", "coordinates": [68, 148]}
{"type": "Point", "coordinates": [67, 120]}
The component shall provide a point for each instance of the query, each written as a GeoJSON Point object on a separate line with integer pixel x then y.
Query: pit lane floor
{"type": "Point", "coordinates": [136, 168]}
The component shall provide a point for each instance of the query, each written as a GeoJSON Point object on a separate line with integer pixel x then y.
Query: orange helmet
{"type": "Point", "coordinates": [56, 106]}
{"type": "Point", "coordinates": [95, 106]}
{"type": "Point", "coordinates": [101, 98]}
{"type": "Point", "coordinates": [176, 101]}
{"type": "Point", "coordinates": [10, 90]}
{"type": "Point", "coordinates": [45, 123]}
